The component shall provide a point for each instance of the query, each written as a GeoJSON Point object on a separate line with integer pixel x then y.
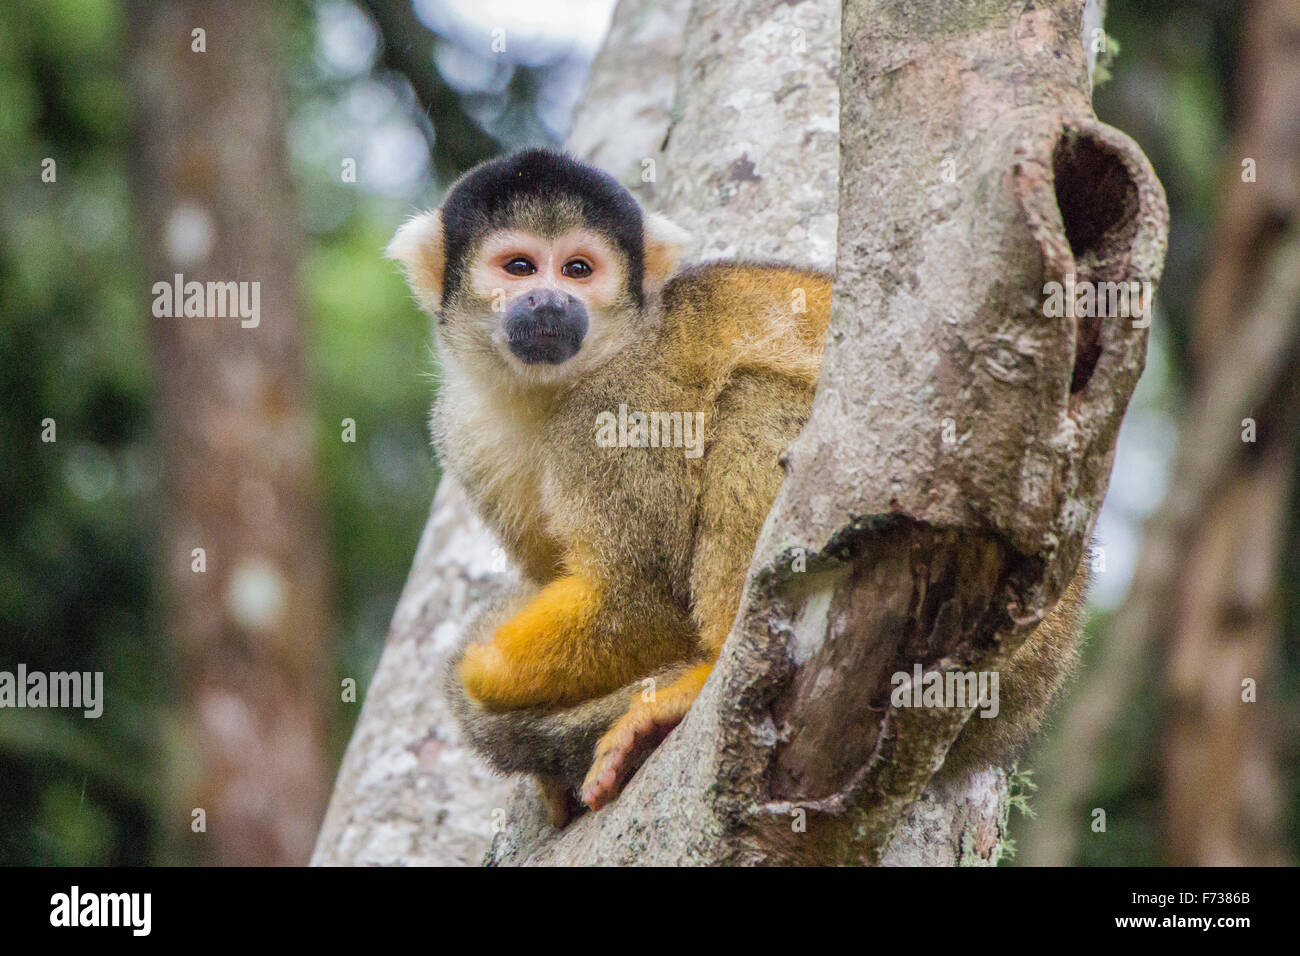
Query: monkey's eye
{"type": "Point", "coordinates": [520, 266]}
{"type": "Point", "coordinates": [576, 269]}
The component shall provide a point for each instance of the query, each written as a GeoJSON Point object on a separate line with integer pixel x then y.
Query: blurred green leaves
{"type": "Point", "coordinates": [78, 517]}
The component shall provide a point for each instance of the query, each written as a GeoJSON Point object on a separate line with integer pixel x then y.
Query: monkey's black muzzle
{"type": "Point", "coordinates": [545, 326]}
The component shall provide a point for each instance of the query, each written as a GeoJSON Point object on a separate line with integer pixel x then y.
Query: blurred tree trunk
{"type": "Point", "coordinates": [1221, 774]}
{"type": "Point", "coordinates": [915, 551]}
{"type": "Point", "coordinates": [250, 631]}
{"type": "Point", "coordinates": [1205, 598]}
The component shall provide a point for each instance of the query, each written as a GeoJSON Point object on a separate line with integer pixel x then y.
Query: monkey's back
{"type": "Point", "coordinates": [724, 316]}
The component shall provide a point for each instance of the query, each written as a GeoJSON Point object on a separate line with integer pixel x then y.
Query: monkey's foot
{"type": "Point", "coordinates": [635, 736]}
{"type": "Point", "coordinates": [623, 749]}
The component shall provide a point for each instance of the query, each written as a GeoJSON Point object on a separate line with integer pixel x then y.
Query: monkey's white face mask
{"type": "Point", "coordinates": [546, 307]}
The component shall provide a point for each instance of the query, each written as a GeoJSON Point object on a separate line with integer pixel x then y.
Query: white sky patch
{"type": "Point", "coordinates": [346, 41]}
{"type": "Point", "coordinates": [1139, 480]}
{"type": "Point", "coordinates": [537, 32]}
{"type": "Point", "coordinates": [395, 157]}
{"type": "Point", "coordinates": [472, 72]}
{"type": "Point", "coordinates": [255, 594]}
{"type": "Point", "coordinates": [556, 38]}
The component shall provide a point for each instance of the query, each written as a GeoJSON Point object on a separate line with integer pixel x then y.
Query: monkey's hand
{"type": "Point", "coordinates": [636, 734]}
{"type": "Point", "coordinates": [541, 656]}
{"type": "Point", "coordinates": [576, 639]}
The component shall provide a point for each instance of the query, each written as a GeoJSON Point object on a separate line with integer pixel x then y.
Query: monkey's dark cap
{"type": "Point", "coordinates": [491, 196]}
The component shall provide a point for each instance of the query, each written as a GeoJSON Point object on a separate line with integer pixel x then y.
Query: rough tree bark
{"type": "Point", "coordinates": [250, 630]}
{"type": "Point", "coordinates": [915, 549]}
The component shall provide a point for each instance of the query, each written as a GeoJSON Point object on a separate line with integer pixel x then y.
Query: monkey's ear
{"type": "Point", "coordinates": [664, 244]}
{"type": "Point", "coordinates": [418, 248]}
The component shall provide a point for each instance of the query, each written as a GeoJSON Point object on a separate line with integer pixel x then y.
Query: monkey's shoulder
{"type": "Point", "coordinates": [710, 286]}
{"type": "Point", "coordinates": [723, 316]}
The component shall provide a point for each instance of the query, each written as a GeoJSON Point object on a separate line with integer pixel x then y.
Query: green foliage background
{"type": "Point", "coordinates": [78, 586]}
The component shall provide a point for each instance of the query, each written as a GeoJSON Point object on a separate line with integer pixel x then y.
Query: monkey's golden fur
{"type": "Point", "coordinates": [633, 559]}
{"type": "Point", "coordinates": [643, 551]}
{"type": "Point", "coordinates": [732, 345]}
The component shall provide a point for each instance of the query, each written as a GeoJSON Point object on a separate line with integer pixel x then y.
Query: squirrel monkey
{"type": "Point", "coordinates": [617, 422]}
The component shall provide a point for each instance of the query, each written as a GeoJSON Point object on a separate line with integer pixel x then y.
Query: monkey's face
{"type": "Point", "coordinates": [549, 305]}
{"type": "Point", "coordinates": [537, 266]}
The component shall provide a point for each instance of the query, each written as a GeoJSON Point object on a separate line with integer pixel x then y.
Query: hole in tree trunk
{"type": "Point", "coordinates": [1099, 204]}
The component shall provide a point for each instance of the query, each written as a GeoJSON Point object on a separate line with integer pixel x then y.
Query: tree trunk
{"type": "Point", "coordinates": [247, 616]}
{"type": "Point", "coordinates": [1221, 771]}
{"type": "Point", "coordinates": [915, 550]}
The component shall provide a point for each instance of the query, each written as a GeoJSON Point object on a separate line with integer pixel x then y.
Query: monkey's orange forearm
{"type": "Point", "coordinates": [549, 653]}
